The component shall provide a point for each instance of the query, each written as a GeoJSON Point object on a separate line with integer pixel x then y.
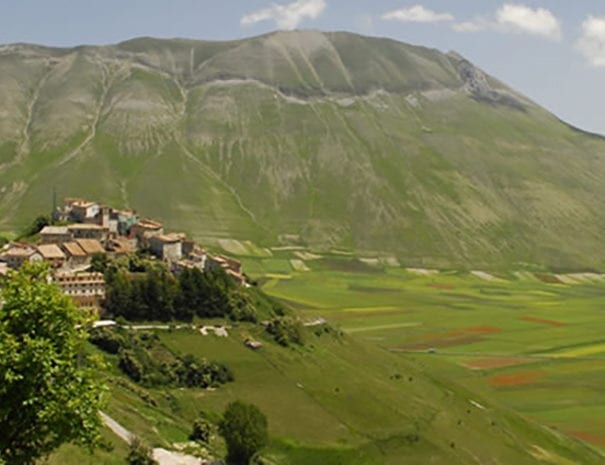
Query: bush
{"type": "Point", "coordinates": [202, 431]}
{"type": "Point", "coordinates": [286, 331]}
{"type": "Point", "coordinates": [145, 360]}
{"type": "Point", "coordinates": [107, 339]}
{"type": "Point", "coordinates": [140, 454]}
{"type": "Point", "coordinates": [130, 365]}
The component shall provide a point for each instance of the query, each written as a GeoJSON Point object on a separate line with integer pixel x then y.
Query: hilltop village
{"type": "Point", "coordinates": [83, 229]}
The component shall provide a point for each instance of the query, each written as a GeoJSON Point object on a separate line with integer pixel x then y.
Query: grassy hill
{"type": "Point", "coordinates": [328, 139]}
{"type": "Point", "coordinates": [337, 400]}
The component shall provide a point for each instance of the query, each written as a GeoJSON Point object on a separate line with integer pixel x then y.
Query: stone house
{"type": "Point", "coordinates": [17, 254]}
{"type": "Point", "coordinates": [91, 246]}
{"type": "Point", "coordinates": [125, 220]}
{"type": "Point", "coordinates": [89, 231]}
{"type": "Point", "coordinates": [82, 211]}
{"type": "Point", "coordinates": [167, 247]}
{"type": "Point", "coordinates": [55, 235]}
{"type": "Point", "coordinates": [121, 245]}
{"type": "Point", "coordinates": [52, 254]}
{"type": "Point", "coordinates": [145, 229]}
{"type": "Point", "coordinates": [76, 256]}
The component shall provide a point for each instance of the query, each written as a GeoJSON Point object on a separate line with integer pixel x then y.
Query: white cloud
{"type": "Point", "coordinates": [417, 14]}
{"type": "Point", "coordinates": [523, 19]}
{"type": "Point", "coordinates": [515, 18]}
{"type": "Point", "coordinates": [287, 16]}
{"type": "Point", "coordinates": [474, 25]}
{"type": "Point", "coordinates": [592, 42]}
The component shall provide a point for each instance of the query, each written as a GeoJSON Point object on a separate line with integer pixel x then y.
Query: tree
{"type": "Point", "coordinates": [49, 394]}
{"type": "Point", "coordinates": [99, 262]}
{"type": "Point", "coordinates": [244, 428]}
{"type": "Point", "coordinates": [139, 454]}
{"type": "Point", "coordinates": [35, 227]}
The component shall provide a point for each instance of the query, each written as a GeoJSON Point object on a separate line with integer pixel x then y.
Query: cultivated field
{"type": "Point", "coordinates": [533, 341]}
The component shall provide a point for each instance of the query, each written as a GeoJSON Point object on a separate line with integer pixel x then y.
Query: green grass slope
{"type": "Point", "coordinates": [336, 401]}
{"type": "Point", "coordinates": [337, 139]}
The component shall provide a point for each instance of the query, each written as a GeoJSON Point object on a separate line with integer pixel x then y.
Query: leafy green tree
{"type": "Point", "coordinates": [49, 394]}
{"type": "Point", "coordinates": [37, 225]}
{"type": "Point", "coordinates": [99, 262]}
{"type": "Point", "coordinates": [139, 454]}
{"type": "Point", "coordinates": [244, 428]}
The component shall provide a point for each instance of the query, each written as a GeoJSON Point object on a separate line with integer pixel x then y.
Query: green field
{"type": "Point", "coordinates": [537, 348]}
{"type": "Point", "coordinates": [434, 367]}
{"type": "Point", "coordinates": [338, 400]}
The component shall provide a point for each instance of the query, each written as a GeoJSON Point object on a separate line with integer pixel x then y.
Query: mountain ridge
{"type": "Point", "coordinates": [338, 139]}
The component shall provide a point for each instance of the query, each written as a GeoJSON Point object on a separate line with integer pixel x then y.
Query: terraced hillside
{"type": "Point", "coordinates": [330, 139]}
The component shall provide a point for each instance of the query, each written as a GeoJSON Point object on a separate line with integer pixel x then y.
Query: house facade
{"type": "Point", "coordinates": [17, 254]}
{"type": "Point", "coordinates": [89, 231]}
{"type": "Point", "coordinates": [167, 247]}
{"type": "Point", "coordinates": [86, 289]}
{"type": "Point", "coordinates": [55, 235]}
{"type": "Point", "coordinates": [52, 254]}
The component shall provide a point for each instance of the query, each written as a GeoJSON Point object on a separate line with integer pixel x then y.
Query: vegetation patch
{"type": "Point", "coordinates": [496, 362]}
{"type": "Point", "coordinates": [352, 265]}
{"type": "Point", "coordinates": [517, 379]}
{"type": "Point", "coordinates": [542, 321]}
{"type": "Point", "coordinates": [548, 278]}
{"type": "Point", "coordinates": [448, 287]}
{"type": "Point", "coordinates": [145, 360]}
{"type": "Point", "coordinates": [583, 351]}
{"type": "Point", "coordinates": [467, 336]}
{"type": "Point", "coordinates": [142, 290]}
{"type": "Point", "coordinates": [591, 438]}
{"type": "Point", "coordinates": [372, 290]}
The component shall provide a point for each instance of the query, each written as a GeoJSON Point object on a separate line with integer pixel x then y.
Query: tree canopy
{"type": "Point", "coordinates": [48, 391]}
{"type": "Point", "coordinates": [244, 428]}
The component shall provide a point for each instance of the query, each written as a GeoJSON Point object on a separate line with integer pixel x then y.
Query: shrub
{"type": "Point", "coordinates": [130, 365]}
{"type": "Point", "coordinates": [139, 454]}
{"type": "Point", "coordinates": [108, 340]}
{"type": "Point", "coordinates": [202, 430]}
{"type": "Point", "coordinates": [286, 331]}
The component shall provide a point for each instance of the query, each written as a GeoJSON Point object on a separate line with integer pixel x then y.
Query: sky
{"type": "Point", "coordinates": [553, 51]}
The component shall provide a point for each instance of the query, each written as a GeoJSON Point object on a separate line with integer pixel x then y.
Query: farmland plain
{"type": "Point", "coordinates": [527, 339]}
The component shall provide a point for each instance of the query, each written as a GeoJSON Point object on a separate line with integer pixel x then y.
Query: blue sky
{"type": "Point", "coordinates": [551, 50]}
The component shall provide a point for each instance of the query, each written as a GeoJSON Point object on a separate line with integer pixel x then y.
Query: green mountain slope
{"type": "Point", "coordinates": [343, 140]}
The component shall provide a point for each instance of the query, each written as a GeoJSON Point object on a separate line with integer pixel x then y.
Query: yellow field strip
{"type": "Point", "coordinates": [381, 327]}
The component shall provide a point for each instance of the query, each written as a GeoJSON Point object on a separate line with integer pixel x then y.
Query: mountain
{"type": "Point", "coordinates": [328, 139]}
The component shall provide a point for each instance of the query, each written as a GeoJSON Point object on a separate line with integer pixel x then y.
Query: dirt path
{"type": "Point", "coordinates": [162, 456]}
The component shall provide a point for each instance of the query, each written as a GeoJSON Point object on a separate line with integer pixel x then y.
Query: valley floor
{"type": "Point", "coordinates": [537, 347]}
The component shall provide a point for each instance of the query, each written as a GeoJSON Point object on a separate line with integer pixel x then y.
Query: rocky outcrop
{"type": "Point", "coordinates": [477, 84]}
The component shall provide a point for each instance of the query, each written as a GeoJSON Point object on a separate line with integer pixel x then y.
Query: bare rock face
{"type": "Point", "coordinates": [478, 86]}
